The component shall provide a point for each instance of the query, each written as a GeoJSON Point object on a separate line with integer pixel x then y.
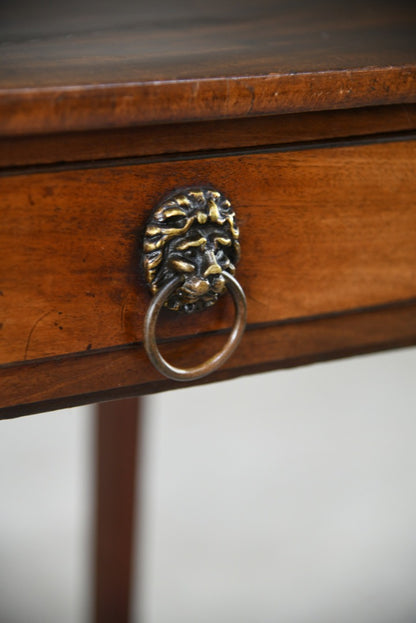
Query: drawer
{"type": "Point", "coordinates": [325, 230]}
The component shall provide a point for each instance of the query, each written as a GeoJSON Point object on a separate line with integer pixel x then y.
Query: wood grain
{"type": "Point", "coordinates": [322, 230]}
{"type": "Point", "coordinates": [82, 379]}
{"type": "Point", "coordinates": [246, 60]}
{"type": "Point", "coordinates": [64, 109]}
{"type": "Point", "coordinates": [203, 136]}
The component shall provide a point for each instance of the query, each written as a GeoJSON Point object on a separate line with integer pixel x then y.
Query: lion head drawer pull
{"type": "Point", "coordinates": [191, 249]}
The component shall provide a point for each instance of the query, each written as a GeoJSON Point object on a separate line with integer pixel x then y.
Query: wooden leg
{"type": "Point", "coordinates": [117, 431]}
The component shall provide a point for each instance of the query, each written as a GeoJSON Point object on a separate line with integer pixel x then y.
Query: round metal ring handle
{"type": "Point", "coordinates": [214, 362]}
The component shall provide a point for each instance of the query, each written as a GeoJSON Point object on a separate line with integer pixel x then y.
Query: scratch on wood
{"type": "Point", "coordinates": [32, 329]}
{"type": "Point", "coordinates": [122, 313]}
{"type": "Point", "coordinates": [250, 89]}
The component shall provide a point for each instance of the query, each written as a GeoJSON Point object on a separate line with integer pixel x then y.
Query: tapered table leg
{"type": "Point", "coordinates": [118, 428]}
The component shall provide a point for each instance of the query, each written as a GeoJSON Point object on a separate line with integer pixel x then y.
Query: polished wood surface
{"type": "Point", "coordinates": [72, 280]}
{"type": "Point", "coordinates": [209, 135]}
{"type": "Point", "coordinates": [302, 113]}
{"type": "Point", "coordinates": [67, 69]}
{"type": "Point", "coordinates": [77, 380]}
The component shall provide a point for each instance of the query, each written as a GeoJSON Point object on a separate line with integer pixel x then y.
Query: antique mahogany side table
{"type": "Point", "coordinates": [299, 117]}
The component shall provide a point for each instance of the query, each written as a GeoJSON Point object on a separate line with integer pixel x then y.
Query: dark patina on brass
{"type": "Point", "coordinates": [191, 234]}
{"type": "Point", "coordinates": [190, 251]}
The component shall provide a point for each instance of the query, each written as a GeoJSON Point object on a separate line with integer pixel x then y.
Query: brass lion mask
{"type": "Point", "coordinates": [192, 233]}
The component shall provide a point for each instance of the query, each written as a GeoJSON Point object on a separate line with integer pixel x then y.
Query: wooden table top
{"type": "Point", "coordinates": [93, 65]}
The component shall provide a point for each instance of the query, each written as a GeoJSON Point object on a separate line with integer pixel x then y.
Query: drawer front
{"type": "Point", "coordinates": [323, 231]}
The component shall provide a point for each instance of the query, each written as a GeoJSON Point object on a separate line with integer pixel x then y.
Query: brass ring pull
{"type": "Point", "coordinates": [190, 251]}
{"type": "Point", "coordinates": [214, 362]}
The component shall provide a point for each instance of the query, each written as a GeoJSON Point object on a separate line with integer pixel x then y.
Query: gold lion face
{"type": "Point", "coordinates": [192, 234]}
